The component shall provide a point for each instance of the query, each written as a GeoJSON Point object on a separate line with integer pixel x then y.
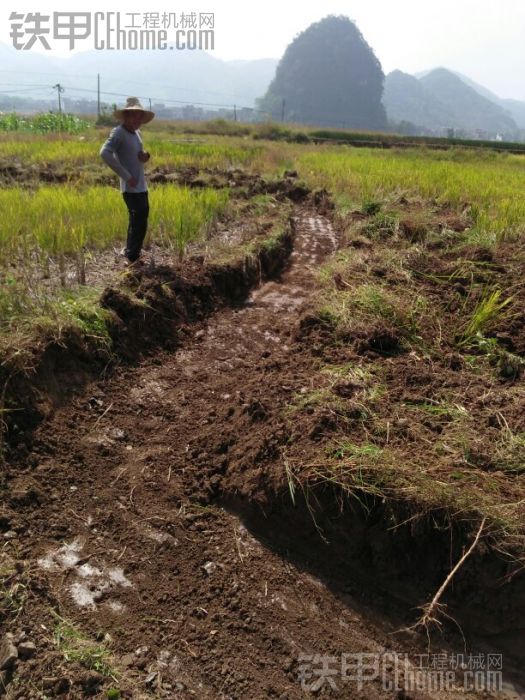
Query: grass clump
{"type": "Point", "coordinates": [346, 450]}
{"type": "Point", "coordinates": [370, 304]}
{"type": "Point", "coordinates": [53, 315]}
{"type": "Point", "coordinates": [13, 591]}
{"type": "Point", "coordinates": [78, 648]}
{"type": "Point", "coordinates": [82, 310]}
{"type": "Point", "coordinates": [113, 694]}
{"type": "Point", "coordinates": [371, 207]}
{"type": "Point", "coordinates": [381, 225]}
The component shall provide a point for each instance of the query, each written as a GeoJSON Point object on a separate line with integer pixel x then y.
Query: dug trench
{"type": "Point", "coordinates": [152, 542]}
{"type": "Point", "coordinates": [147, 311]}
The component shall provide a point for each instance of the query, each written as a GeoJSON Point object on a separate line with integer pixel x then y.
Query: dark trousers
{"type": "Point", "coordinates": [138, 208]}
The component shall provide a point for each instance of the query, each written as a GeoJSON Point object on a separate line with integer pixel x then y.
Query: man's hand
{"type": "Point", "coordinates": [143, 156]}
{"type": "Point", "coordinates": [132, 182]}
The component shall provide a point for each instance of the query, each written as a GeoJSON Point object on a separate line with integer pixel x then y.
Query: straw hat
{"type": "Point", "coordinates": [133, 104]}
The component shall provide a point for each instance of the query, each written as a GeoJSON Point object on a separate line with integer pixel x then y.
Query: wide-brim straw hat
{"type": "Point", "coordinates": [133, 105]}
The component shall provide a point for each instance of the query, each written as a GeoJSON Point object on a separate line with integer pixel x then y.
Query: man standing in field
{"type": "Point", "coordinates": [124, 154]}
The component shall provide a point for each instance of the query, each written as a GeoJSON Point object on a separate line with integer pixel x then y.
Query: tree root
{"type": "Point", "coordinates": [435, 609]}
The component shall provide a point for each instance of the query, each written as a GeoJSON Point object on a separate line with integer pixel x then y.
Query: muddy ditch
{"type": "Point", "coordinates": [151, 309]}
{"type": "Point", "coordinates": [148, 309]}
{"type": "Point", "coordinates": [394, 557]}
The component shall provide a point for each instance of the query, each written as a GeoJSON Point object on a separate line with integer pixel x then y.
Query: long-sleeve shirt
{"type": "Point", "coordinates": [120, 152]}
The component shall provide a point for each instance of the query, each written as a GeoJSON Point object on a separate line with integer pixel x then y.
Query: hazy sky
{"type": "Point", "coordinates": [484, 40]}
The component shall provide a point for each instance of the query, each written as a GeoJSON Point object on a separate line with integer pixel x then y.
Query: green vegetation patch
{"type": "Point", "coordinates": [44, 123]}
{"type": "Point", "coordinates": [77, 647]}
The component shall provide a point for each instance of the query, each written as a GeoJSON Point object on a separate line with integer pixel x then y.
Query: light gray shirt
{"type": "Point", "coordinates": [120, 152]}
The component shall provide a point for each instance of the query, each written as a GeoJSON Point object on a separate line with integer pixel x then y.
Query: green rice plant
{"type": "Point", "coordinates": [345, 204]}
{"type": "Point", "coordinates": [55, 220]}
{"type": "Point", "coordinates": [487, 309]}
{"type": "Point", "coordinates": [177, 220]}
{"type": "Point", "coordinates": [65, 220]}
{"type": "Point", "coordinates": [10, 122]}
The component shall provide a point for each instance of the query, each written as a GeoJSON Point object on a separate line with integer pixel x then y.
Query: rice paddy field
{"type": "Point", "coordinates": [312, 391]}
{"type": "Point", "coordinates": [60, 207]}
